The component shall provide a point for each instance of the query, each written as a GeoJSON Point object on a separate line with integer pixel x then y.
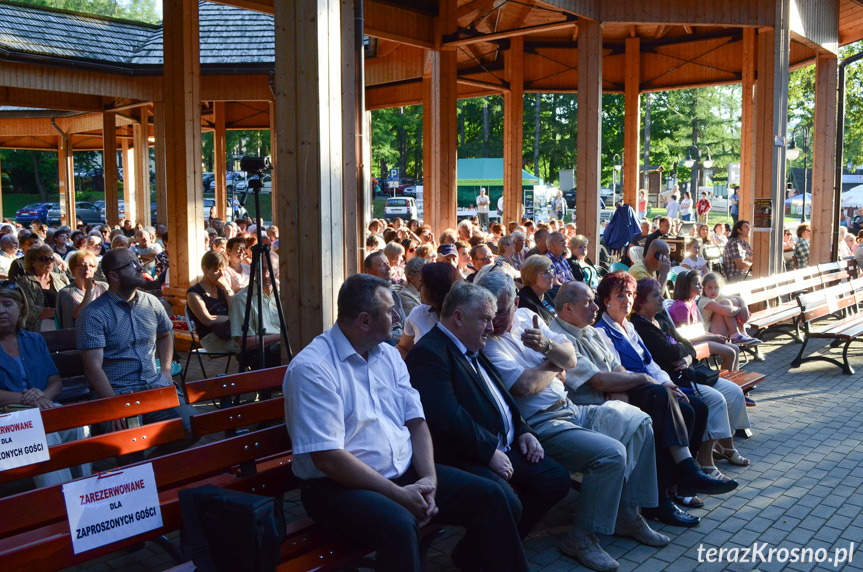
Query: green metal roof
{"type": "Point", "coordinates": [487, 172]}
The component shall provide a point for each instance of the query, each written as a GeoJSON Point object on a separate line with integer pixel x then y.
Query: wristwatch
{"type": "Point", "coordinates": [548, 348]}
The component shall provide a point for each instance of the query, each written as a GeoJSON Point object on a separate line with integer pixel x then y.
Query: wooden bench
{"type": "Point", "coordinates": [844, 299]}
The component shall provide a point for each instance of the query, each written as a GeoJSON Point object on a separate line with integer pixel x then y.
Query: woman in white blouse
{"type": "Point", "coordinates": [436, 280]}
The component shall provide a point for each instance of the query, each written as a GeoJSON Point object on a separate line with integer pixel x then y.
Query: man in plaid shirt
{"type": "Point", "coordinates": [556, 244]}
{"type": "Point", "coordinates": [801, 248]}
{"type": "Point", "coordinates": [737, 256]}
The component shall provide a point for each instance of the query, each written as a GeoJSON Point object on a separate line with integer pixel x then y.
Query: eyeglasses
{"type": "Point", "coordinates": [134, 264]}
{"type": "Point", "coordinates": [9, 284]}
{"type": "Point", "coordinates": [45, 259]}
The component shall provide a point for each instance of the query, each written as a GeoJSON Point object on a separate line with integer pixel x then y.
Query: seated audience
{"type": "Point", "coordinates": [410, 293]}
{"type": "Point", "coordinates": [617, 459]}
{"type": "Point", "coordinates": [40, 285]}
{"type": "Point", "coordinates": [376, 264]}
{"type": "Point", "coordinates": [538, 279]}
{"type": "Point", "coordinates": [28, 376]}
{"type": "Point", "coordinates": [237, 270]}
{"type": "Point", "coordinates": [583, 269]}
{"type": "Point", "coordinates": [436, 280]}
{"type": "Point", "coordinates": [464, 262]}
{"type": "Point", "coordinates": [474, 422]}
{"type": "Point", "coordinates": [395, 254]}
{"type": "Point", "coordinates": [16, 268]}
{"type": "Point", "coordinates": [8, 253]}
{"type": "Point", "coordinates": [556, 252]}
{"type": "Point", "coordinates": [723, 315]}
{"type": "Point", "coordinates": [209, 303]}
{"type": "Point", "coordinates": [655, 264]}
{"type": "Point", "coordinates": [83, 289]}
{"type": "Point", "coordinates": [364, 451]}
{"type": "Point", "coordinates": [267, 324]}
{"type": "Point", "coordinates": [663, 230]}
{"type": "Point", "coordinates": [801, 248]}
{"type": "Point", "coordinates": [62, 244]}
{"type": "Point", "coordinates": [120, 335]}
{"type": "Point", "coordinates": [674, 354]}
{"type": "Point", "coordinates": [694, 260]}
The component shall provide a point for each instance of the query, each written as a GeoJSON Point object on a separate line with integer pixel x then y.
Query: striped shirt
{"type": "Point", "coordinates": [127, 332]}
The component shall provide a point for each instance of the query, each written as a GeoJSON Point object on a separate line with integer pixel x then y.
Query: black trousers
{"type": "Point", "coordinates": [540, 486]}
{"type": "Point", "coordinates": [372, 519]}
{"type": "Point", "coordinates": [675, 423]}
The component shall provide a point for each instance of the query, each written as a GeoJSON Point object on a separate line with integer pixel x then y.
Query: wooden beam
{"type": "Point", "coordinates": [513, 132]}
{"type": "Point", "coordinates": [220, 159]}
{"type": "Point", "coordinates": [737, 13]}
{"type": "Point", "coordinates": [46, 99]}
{"type": "Point", "coordinates": [398, 24]}
{"type": "Point", "coordinates": [747, 126]}
{"type": "Point", "coordinates": [589, 136]}
{"type": "Point", "coordinates": [109, 168]}
{"type": "Point", "coordinates": [160, 135]}
{"type": "Point", "coordinates": [486, 85]}
{"type": "Point", "coordinates": [275, 197]}
{"type": "Point", "coordinates": [181, 94]}
{"type": "Point", "coordinates": [353, 114]}
{"type": "Point", "coordinates": [309, 129]}
{"type": "Point", "coordinates": [518, 32]}
{"type": "Point", "coordinates": [66, 180]}
{"type": "Point", "coordinates": [130, 198]}
{"type": "Point", "coordinates": [823, 153]}
{"type": "Point", "coordinates": [141, 156]}
{"type": "Point", "coordinates": [632, 123]}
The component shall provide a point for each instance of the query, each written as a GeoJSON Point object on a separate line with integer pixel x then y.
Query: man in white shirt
{"type": "Point", "coordinates": [362, 446]}
{"type": "Point", "coordinates": [482, 202]}
{"type": "Point", "coordinates": [8, 251]}
{"type": "Point", "coordinates": [617, 458]}
{"type": "Point", "coordinates": [673, 207]}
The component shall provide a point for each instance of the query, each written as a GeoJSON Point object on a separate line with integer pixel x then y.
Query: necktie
{"type": "Point", "coordinates": [498, 399]}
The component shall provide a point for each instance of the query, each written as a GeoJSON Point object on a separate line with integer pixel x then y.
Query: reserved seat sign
{"type": "Point", "coordinates": [112, 506]}
{"type": "Point", "coordinates": [22, 439]}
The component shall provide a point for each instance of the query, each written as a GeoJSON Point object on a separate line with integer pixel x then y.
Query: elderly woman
{"type": "Point", "coordinates": [83, 290]}
{"type": "Point", "coordinates": [28, 376]}
{"type": "Point", "coordinates": [410, 294]}
{"type": "Point", "coordinates": [40, 285]}
{"type": "Point", "coordinates": [437, 279]}
{"type": "Point", "coordinates": [674, 354]}
{"type": "Point", "coordinates": [582, 269]}
{"type": "Point", "coordinates": [236, 270]}
{"type": "Point", "coordinates": [395, 253]}
{"type": "Point", "coordinates": [506, 251]}
{"type": "Point", "coordinates": [538, 279]}
{"type": "Point", "coordinates": [209, 302]}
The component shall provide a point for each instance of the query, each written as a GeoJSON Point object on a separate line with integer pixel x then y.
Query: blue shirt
{"type": "Point", "coordinates": [37, 362]}
{"type": "Point", "coordinates": [734, 207]}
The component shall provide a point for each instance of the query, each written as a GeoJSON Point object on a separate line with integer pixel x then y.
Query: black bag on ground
{"type": "Point", "coordinates": [700, 373]}
{"type": "Point", "coordinates": [225, 530]}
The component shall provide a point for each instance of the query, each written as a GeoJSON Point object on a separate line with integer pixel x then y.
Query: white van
{"type": "Point", "coordinates": [404, 207]}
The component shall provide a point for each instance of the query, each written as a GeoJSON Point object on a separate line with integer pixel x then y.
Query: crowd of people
{"type": "Point", "coordinates": [501, 363]}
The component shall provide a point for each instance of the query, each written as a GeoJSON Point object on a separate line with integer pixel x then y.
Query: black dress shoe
{"type": "Point", "coordinates": [692, 480]}
{"type": "Point", "coordinates": [669, 513]}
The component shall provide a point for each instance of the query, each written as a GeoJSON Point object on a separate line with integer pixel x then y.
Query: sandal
{"type": "Point", "coordinates": [731, 455]}
{"type": "Point", "coordinates": [714, 473]}
{"type": "Point", "coordinates": [688, 502]}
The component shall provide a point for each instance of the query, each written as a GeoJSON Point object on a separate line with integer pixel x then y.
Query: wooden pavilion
{"type": "Point", "coordinates": [302, 69]}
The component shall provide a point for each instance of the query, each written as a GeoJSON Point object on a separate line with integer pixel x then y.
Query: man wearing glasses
{"type": "Point", "coordinates": [120, 335]}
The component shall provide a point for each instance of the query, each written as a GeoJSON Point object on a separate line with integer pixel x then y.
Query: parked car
{"type": "Point", "coordinates": [404, 207]}
{"type": "Point", "coordinates": [88, 213]}
{"type": "Point", "coordinates": [120, 205]}
{"type": "Point", "coordinates": [207, 179]}
{"type": "Point", "coordinates": [33, 211]}
{"type": "Point", "coordinates": [230, 180]}
{"type": "Point", "coordinates": [238, 211]}
{"type": "Point", "coordinates": [410, 191]}
{"type": "Point", "coordinates": [570, 198]}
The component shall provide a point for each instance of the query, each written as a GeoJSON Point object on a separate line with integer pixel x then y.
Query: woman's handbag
{"type": "Point", "coordinates": [700, 373]}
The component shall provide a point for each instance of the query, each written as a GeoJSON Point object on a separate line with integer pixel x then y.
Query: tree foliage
{"type": "Point", "coordinates": [140, 10]}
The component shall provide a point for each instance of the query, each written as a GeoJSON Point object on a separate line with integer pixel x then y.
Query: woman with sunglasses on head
{"type": "Point", "coordinates": [83, 290]}
{"type": "Point", "coordinates": [28, 376]}
{"type": "Point", "coordinates": [41, 284]}
{"type": "Point", "coordinates": [436, 281]}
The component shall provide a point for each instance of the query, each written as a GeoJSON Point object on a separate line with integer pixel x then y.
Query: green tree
{"type": "Point", "coordinates": [139, 10]}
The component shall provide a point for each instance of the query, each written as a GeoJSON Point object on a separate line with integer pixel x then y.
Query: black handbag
{"type": "Point", "coordinates": [700, 373]}
{"type": "Point", "coordinates": [225, 530]}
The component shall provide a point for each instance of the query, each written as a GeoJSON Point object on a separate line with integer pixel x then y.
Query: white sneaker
{"type": "Point", "coordinates": [587, 550]}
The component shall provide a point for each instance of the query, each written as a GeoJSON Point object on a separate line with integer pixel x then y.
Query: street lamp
{"type": "Point", "coordinates": [793, 153]}
{"type": "Point", "coordinates": [693, 159]}
{"type": "Point", "coordinates": [616, 168]}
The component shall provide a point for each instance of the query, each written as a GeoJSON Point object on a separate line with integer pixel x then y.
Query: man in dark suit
{"type": "Point", "coordinates": [474, 422]}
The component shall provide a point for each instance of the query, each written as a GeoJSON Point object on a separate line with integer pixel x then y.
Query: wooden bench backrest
{"type": "Point", "coordinates": [803, 280]}
{"type": "Point", "coordinates": [101, 447]}
{"type": "Point", "coordinates": [108, 409]}
{"type": "Point", "coordinates": [60, 340]}
{"type": "Point", "coordinates": [833, 273]}
{"type": "Point", "coordinates": [41, 507]}
{"type": "Point", "coordinates": [225, 386]}
{"type": "Point", "coordinates": [239, 416]}
{"type": "Point", "coordinates": [815, 305]}
{"type": "Point", "coordinates": [758, 291]}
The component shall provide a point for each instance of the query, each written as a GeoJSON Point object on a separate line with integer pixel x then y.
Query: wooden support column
{"type": "Point", "coordinates": [274, 146]}
{"type": "Point", "coordinates": [181, 93]}
{"type": "Point", "coordinates": [632, 123]}
{"type": "Point", "coordinates": [142, 167]}
{"type": "Point", "coordinates": [220, 159]}
{"type": "Point", "coordinates": [513, 131]}
{"type": "Point", "coordinates": [440, 123]}
{"type": "Point", "coordinates": [109, 168]}
{"type": "Point", "coordinates": [824, 157]}
{"type": "Point", "coordinates": [589, 168]}
{"type": "Point", "coordinates": [1, 191]}
{"type": "Point", "coordinates": [352, 114]}
{"type": "Point", "coordinates": [747, 126]}
{"type": "Point", "coordinates": [66, 180]}
{"type": "Point", "coordinates": [161, 173]}
{"type": "Point", "coordinates": [771, 116]}
{"type": "Point", "coordinates": [130, 199]}
{"type": "Point", "coordinates": [309, 130]}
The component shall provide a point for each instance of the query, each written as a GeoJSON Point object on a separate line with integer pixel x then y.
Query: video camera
{"type": "Point", "coordinates": [256, 167]}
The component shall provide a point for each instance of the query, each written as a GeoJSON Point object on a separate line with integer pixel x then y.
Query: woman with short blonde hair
{"type": "Point", "coordinates": [83, 289]}
{"type": "Point", "coordinates": [538, 279]}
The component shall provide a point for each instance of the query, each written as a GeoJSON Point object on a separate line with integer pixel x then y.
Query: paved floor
{"type": "Point", "coordinates": [803, 490]}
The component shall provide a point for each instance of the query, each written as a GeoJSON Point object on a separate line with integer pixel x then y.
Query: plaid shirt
{"type": "Point", "coordinates": [801, 252]}
{"type": "Point", "coordinates": [560, 267]}
{"type": "Point", "coordinates": [735, 248]}
{"type": "Point", "coordinates": [127, 332]}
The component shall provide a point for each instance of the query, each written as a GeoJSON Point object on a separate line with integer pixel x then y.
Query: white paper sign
{"type": "Point", "coordinates": [112, 506]}
{"type": "Point", "coordinates": [22, 439]}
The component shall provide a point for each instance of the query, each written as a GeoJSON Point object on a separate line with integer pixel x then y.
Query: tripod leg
{"type": "Point", "coordinates": [282, 323]}
{"type": "Point", "coordinates": [248, 312]}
